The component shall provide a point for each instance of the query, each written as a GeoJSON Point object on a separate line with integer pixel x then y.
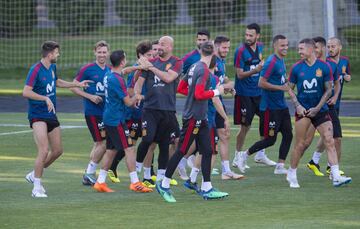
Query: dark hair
{"type": "Point", "coordinates": [320, 40]}
{"type": "Point", "coordinates": [143, 47]}
{"type": "Point", "coordinates": [254, 26]}
{"type": "Point", "coordinates": [207, 48]}
{"type": "Point", "coordinates": [156, 42]}
{"type": "Point", "coordinates": [203, 32]}
{"type": "Point", "coordinates": [220, 39]}
{"type": "Point", "coordinates": [212, 62]}
{"type": "Point", "coordinates": [278, 37]}
{"type": "Point", "coordinates": [116, 57]}
{"type": "Point", "coordinates": [308, 41]}
{"type": "Point", "coordinates": [48, 46]}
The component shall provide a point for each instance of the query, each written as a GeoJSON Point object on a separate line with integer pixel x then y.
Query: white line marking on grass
{"type": "Point", "coordinates": [29, 131]}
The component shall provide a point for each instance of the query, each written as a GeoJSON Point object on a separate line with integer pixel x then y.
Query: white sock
{"type": "Point", "coordinates": [206, 186]}
{"type": "Point", "coordinates": [102, 176]}
{"type": "Point", "coordinates": [147, 173]}
{"type": "Point", "coordinates": [316, 157]}
{"type": "Point", "coordinates": [245, 155]}
{"type": "Point", "coordinates": [91, 168]}
{"type": "Point", "coordinates": [133, 177]}
{"type": "Point", "coordinates": [193, 174]}
{"type": "Point", "coordinates": [225, 166]}
{"type": "Point", "coordinates": [191, 158]}
{"type": "Point", "coordinates": [292, 171]}
{"type": "Point", "coordinates": [37, 183]}
{"type": "Point", "coordinates": [260, 153]}
{"type": "Point", "coordinates": [160, 174]}
{"type": "Point", "coordinates": [182, 164]}
{"type": "Point", "coordinates": [166, 182]}
{"type": "Point", "coordinates": [138, 166]}
{"type": "Point", "coordinates": [280, 165]}
{"type": "Point", "coordinates": [335, 172]}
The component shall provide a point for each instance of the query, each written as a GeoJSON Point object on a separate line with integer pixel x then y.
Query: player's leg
{"type": "Point", "coordinates": [301, 127]}
{"type": "Point", "coordinates": [287, 136]}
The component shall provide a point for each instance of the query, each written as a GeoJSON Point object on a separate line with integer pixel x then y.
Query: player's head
{"type": "Point", "coordinates": [155, 48]}
{"type": "Point", "coordinates": [320, 47]}
{"type": "Point", "coordinates": [118, 58]}
{"type": "Point", "coordinates": [252, 34]}
{"type": "Point", "coordinates": [207, 49]}
{"type": "Point", "coordinates": [144, 48]}
{"type": "Point", "coordinates": [101, 51]}
{"type": "Point", "coordinates": [306, 48]}
{"type": "Point", "coordinates": [202, 36]}
{"type": "Point", "coordinates": [222, 46]}
{"type": "Point", "coordinates": [334, 47]}
{"type": "Point", "coordinates": [212, 64]}
{"type": "Point", "coordinates": [281, 45]}
{"type": "Point", "coordinates": [50, 50]}
{"type": "Point", "coordinates": [166, 46]}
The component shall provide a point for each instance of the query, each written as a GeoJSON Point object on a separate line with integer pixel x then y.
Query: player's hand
{"type": "Point", "coordinates": [144, 63]}
{"type": "Point", "coordinates": [85, 83]}
{"type": "Point", "coordinates": [300, 110]}
{"type": "Point", "coordinates": [221, 89]}
{"type": "Point", "coordinates": [96, 99]}
{"type": "Point", "coordinates": [332, 101]}
{"type": "Point", "coordinates": [285, 87]}
{"type": "Point", "coordinates": [347, 77]}
{"type": "Point", "coordinates": [312, 112]}
{"type": "Point", "coordinates": [259, 66]}
{"type": "Point", "coordinates": [50, 105]}
{"type": "Point", "coordinates": [138, 99]}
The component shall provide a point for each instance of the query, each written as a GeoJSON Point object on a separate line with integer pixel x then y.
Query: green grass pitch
{"type": "Point", "coordinates": [263, 200]}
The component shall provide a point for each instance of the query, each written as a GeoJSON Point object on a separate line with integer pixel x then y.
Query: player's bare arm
{"type": "Point", "coordinates": [300, 110]}
{"type": "Point", "coordinates": [314, 110]}
{"type": "Point", "coordinates": [67, 84]}
{"type": "Point", "coordinates": [29, 93]}
{"type": "Point", "coordinates": [240, 74]}
{"type": "Point", "coordinates": [93, 98]}
{"type": "Point", "coordinates": [264, 84]}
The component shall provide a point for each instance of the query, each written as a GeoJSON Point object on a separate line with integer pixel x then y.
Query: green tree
{"type": "Point", "coordinates": [147, 16]}
{"type": "Point", "coordinates": [17, 17]}
{"type": "Point", "coordinates": [76, 17]}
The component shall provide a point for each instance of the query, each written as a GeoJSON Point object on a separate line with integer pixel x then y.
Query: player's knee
{"type": "Point", "coordinates": [270, 141]}
{"type": "Point", "coordinates": [328, 140]}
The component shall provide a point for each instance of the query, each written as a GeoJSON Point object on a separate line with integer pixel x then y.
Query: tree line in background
{"type": "Point", "coordinates": [77, 17]}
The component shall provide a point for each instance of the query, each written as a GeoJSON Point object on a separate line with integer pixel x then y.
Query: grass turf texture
{"type": "Point", "coordinates": [263, 200]}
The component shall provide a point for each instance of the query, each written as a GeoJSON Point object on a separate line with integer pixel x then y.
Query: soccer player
{"type": "Point", "coordinates": [189, 59]}
{"type": "Point", "coordinates": [274, 116]}
{"type": "Point", "coordinates": [195, 125]}
{"type": "Point", "coordinates": [94, 106]}
{"type": "Point", "coordinates": [194, 56]}
{"type": "Point", "coordinates": [155, 48]}
{"type": "Point", "coordinates": [117, 134]}
{"type": "Point", "coordinates": [222, 47]}
{"type": "Point", "coordinates": [248, 64]}
{"type": "Point", "coordinates": [343, 71]}
{"type": "Point", "coordinates": [313, 80]}
{"type": "Point", "coordinates": [40, 89]}
{"type": "Point", "coordinates": [158, 117]}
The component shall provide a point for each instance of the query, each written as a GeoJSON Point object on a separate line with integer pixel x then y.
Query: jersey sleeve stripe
{"type": "Point", "coordinates": [80, 75]}
{"type": "Point", "coordinates": [270, 68]}
{"type": "Point", "coordinates": [33, 75]}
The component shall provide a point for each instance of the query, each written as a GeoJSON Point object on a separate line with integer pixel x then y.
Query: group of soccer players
{"type": "Point", "coordinates": [123, 104]}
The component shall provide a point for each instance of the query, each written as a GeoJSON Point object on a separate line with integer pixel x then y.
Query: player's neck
{"type": "Point", "coordinates": [45, 62]}
{"type": "Point", "coordinates": [206, 60]}
{"type": "Point", "coordinates": [117, 70]}
{"type": "Point", "coordinates": [311, 60]}
{"type": "Point", "coordinates": [102, 66]}
{"type": "Point", "coordinates": [279, 56]}
{"type": "Point", "coordinates": [335, 58]}
{"type": "Point", "coordinates": [253, 47]}
{"type": "Point", "coordinates": [165, 58]}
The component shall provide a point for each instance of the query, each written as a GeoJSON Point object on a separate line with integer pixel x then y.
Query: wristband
{"type": "Point", "coordinates": [216, 92]}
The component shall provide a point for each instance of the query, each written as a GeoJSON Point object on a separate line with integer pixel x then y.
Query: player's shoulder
{"type": "Point", "coordinates": [35, 66]}
{"type": "Point", "coordinates": [260, 44]}
{"type": "Point", "coordinates": [345, 58]}
{"type": "Point", "coordinates": [175, 58]}
{"type": "Point", "coordinates": [87, 66]}
{"type": "Point", "coordinates": [241, 47]}
{"type": "Point", "coordinates": [298, 64]}
{"type": "Point", "coordinates": [323, 63]}
{"type": "Point", "coordinates": [190, 54]}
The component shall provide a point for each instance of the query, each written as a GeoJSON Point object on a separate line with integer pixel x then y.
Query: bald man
{"type": "Point", "coordinates": [158, 117]}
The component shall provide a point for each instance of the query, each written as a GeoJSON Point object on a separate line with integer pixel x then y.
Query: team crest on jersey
{"type": "Point", "coordinates": [168, 66]}
{"type": "Point", "coordinates": [53, 74]}
{"type": "Point", "coordinates": [343, 69]}
{"type": "Point", "coordinates": [318, 72]}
